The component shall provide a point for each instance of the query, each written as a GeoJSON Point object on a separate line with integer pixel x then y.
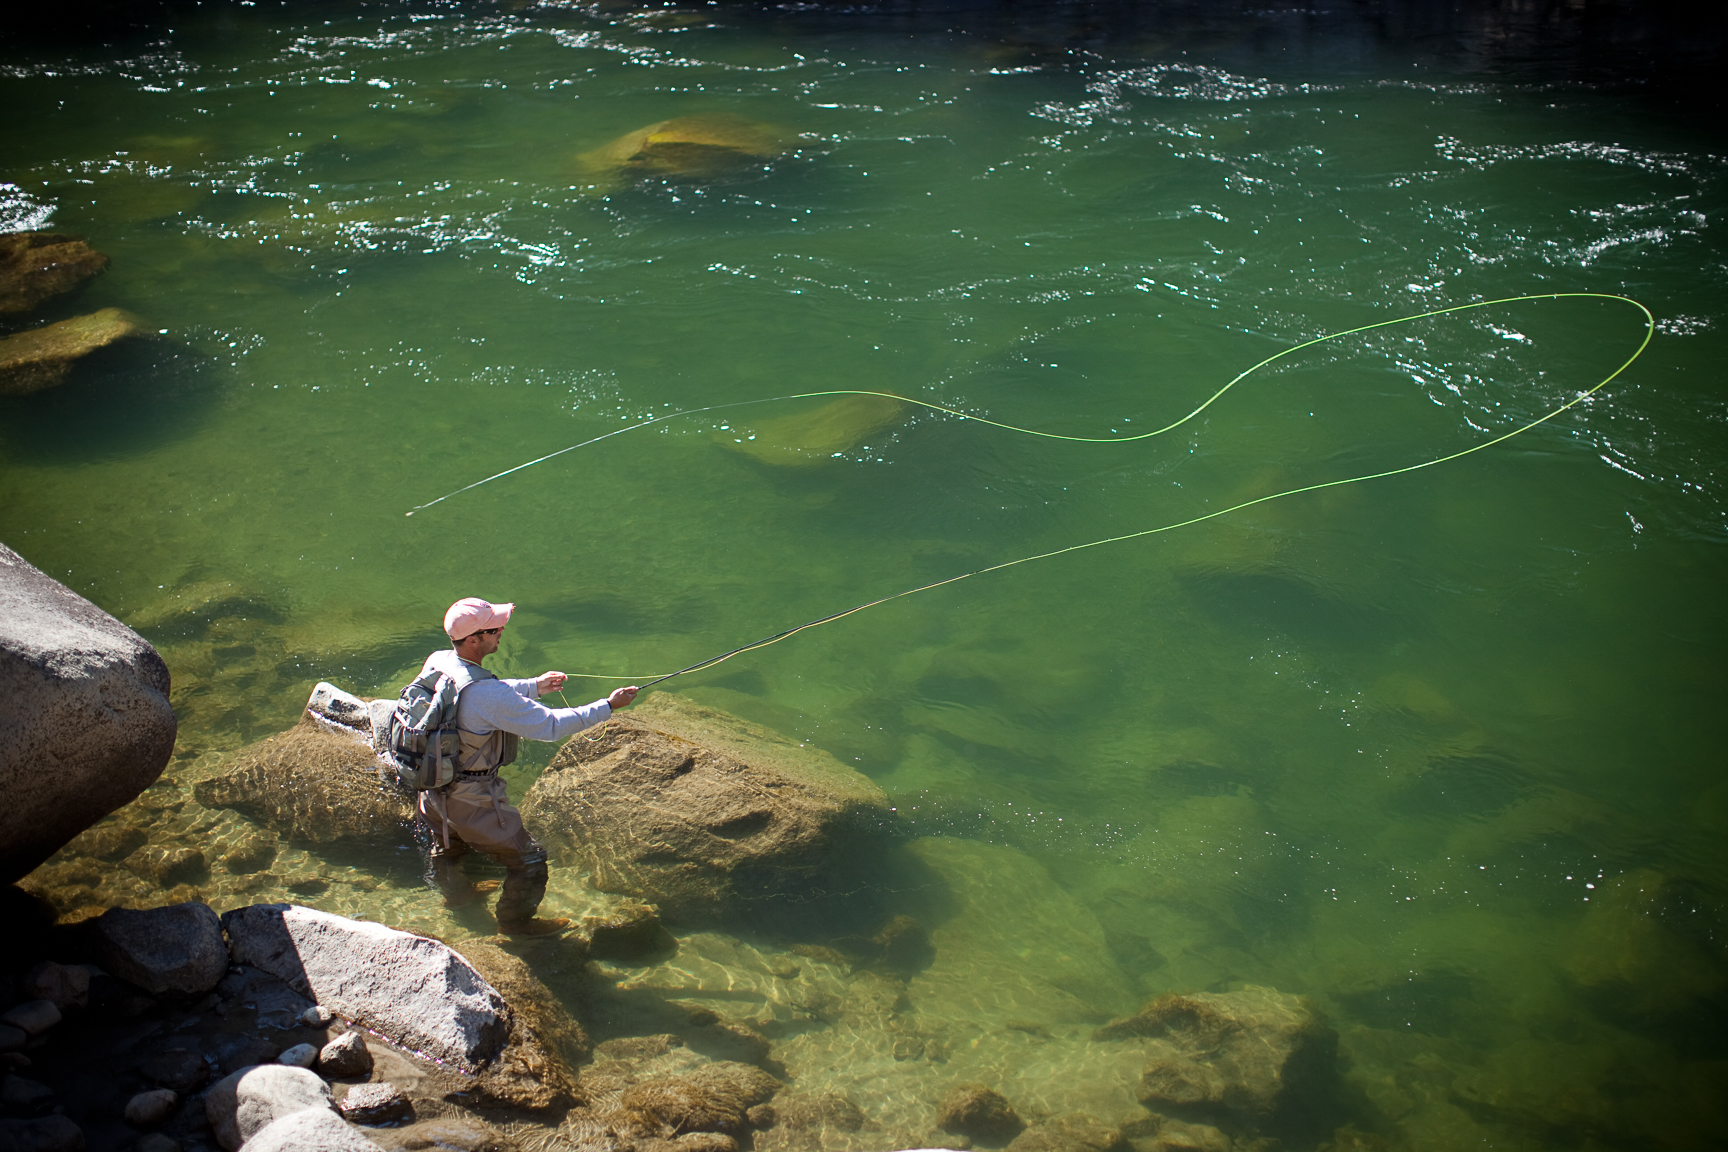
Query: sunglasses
{"type": "Point", "coordinates": [487, 631]}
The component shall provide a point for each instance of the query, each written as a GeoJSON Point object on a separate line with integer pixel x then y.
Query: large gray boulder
{"type": "Point", "coordinates": [174, 949]}
{"type": "Point", "coordinates": [245, 1103]}
{"type": "Point", "coordinates": [414, 991]}
{"type": "Point", "coordinates": [84, 705]}
{"type": "Point", "coordinates": [705, 814]}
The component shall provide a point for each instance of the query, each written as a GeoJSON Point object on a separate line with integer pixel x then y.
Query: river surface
{"type": "Point", "coordinates": [1441, 751]}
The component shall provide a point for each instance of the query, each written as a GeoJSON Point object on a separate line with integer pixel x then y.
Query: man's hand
{"type": "Point", "coordinates": [551, 682]}
{"type": "Point", "coordinates": [621, 697]}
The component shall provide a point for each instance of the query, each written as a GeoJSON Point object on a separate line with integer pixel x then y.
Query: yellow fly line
{"type": "Point", "coordinates": [1649, 332]}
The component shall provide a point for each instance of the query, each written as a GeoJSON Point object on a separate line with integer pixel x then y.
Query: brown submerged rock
{"type": "Point", "coordinates": [43, 357]}
{"type": "Point", "coordinates": [710, 146]}
{"type": "Point", "coordinates": [535, 1070]}
{"type": "Point", "coordinates": [1240, 1053]}
{"type": "Point", "coordinates": [312, 783]}
{"type": "Point", "coordinates": [816, 437]}
{"type": "Point", "coordinates": [38, 266]}
{"type": "Point", "coordinates": [703, 813]}
{"type": "Point", "coordinates": [715, 1098]}
{"type": "Point", "coordinates": [976, 1111]}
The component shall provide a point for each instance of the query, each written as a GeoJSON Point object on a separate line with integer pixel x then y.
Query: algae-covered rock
{"type": "Point", "coordinates": [713, 1098]}
{"type": "Point", "coordinates": [702, 813]}
{"type": "Point", "coordinates": [808, 438]}
{"type": "Point", "coordinates": [704, 147]}
{"type": "Point", "coordinates": [43, 357]}
{"type": "Point", "coordinates": [1242, 1054]}
{"type": "Point", "coordinates": [38, 266]}
{"type": "Point", "coordinates": [976, 1111]}
{"type": "Point", "coordinates": [1075, 1132]}
{"type": "Point", "coordinates": [1644, 951]}
{"type": "Point", "coordinates": [534, 1070]}
{"type": "Point", "coordinates": [314, 782]}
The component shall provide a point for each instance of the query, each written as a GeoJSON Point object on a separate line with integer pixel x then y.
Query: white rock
{"type": "Point", "coordinates": [340, 707]}
{"type": "Point", "coordinates": [299, 1056]}
{"type": "Point", "coordinates": [310, 1131]}
{"type": "Point", "coordinates": [414, 991]}
{"type": "Point", "coordinates": [148, 1109]}
{"type": "Point", "coordinates": [33, 1017]}
{"type": "Point", "coordinates": [317, 1016]}
{"type": "Point", "coordinates": [243, 1104]}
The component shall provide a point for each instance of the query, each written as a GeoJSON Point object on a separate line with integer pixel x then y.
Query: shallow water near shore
{"type": "Point", "coordinates": [1441, 752]}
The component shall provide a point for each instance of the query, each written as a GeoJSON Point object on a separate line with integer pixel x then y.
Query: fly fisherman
{"type": "Point", "coordinates": [473, 813]}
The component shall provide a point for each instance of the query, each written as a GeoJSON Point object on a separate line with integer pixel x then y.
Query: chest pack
{"type": "Point", "coordinates": [425, 743]}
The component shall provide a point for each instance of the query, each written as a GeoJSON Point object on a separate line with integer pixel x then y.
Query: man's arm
{"type": "Point", "coordinates": [502, 704]}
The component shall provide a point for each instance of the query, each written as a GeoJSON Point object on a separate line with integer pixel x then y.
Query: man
{"type": "Point", "coordinates": [473, 813]}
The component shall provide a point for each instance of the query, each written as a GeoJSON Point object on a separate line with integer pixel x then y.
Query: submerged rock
{"type": "Point", "coordinates": [976, 1111]}
{"type": "Point", "coordinates": [705, 147]}
{"type": "Point", "coordinates": [43, 357]}
{"type": "Point", "coordinates": [1072, 1133]}
{"type": "Point", "coordinates": [81, 692]}
{"type": "Point", "coordinates": [703, 813]}
{"type": "Point", "coordinates": [714, 1098]}
{"type": "Point", "coordinates": [315, 782]}
{"type": "Point", "coordinates": [816, 437]}
{"type": "Point", "coordinates": [1239, 1055]}
{"type": "Point", "coordinates": [535, 1069]}
{"type": "Point", "coordinates": [38, 266]}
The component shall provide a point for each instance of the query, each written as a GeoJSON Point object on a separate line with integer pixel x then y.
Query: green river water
{"type": "Point", "coordinates": [1436, 751]}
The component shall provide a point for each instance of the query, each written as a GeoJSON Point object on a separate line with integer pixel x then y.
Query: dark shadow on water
{"type": "Point", "coordinates": [128, 398]}
{"type": "Point", "coordinates": [1463, 786]}
{"type": "Point", "coordinates": [1291, 606]}
{"type": "Point", "coordinates": [1426, 1002]}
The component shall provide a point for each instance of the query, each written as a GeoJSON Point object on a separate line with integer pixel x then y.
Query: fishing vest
{"type": "Point", "coordinates": [481, 752]}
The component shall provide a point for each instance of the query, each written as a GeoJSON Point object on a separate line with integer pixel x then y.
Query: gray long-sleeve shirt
{"type": "Point", "coordinates": [513, 705]}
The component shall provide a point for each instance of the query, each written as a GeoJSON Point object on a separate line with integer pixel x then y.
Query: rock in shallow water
{"type": "Point", "coordinates": [375, 1104]}
{"type": "Point", "coordinates": [1229, 1054]}
{"type": "Point", "coordinates": [82, 692]}
{"type": "Point", "coordinates": [33, 1017]}
{"type": "Point", "coordinates": [347, 1055]}
{"type": "Point", "coordinates": [705, 814]}
{"type": "Point", "coordinates": [976, 1111]}
{"type": "Point", "coordinates": [703, 147]}
{"type": "Point", "coordinates": [413, 990]}
{"type": "Point", "coordinates": [38, 266]}
{"type": "Point", "coordinates": [313, 783]}
{"type": "Point", "coordinates": [174, 949]}
{"type": "Point", "coordinates": [43, 357]}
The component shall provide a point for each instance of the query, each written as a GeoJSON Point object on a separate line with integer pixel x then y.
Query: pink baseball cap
{"type": "Point", "coordinates": [470, 614]}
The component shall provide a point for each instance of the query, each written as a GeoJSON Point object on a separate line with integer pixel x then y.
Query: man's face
{"type": "Point", "coordinates": [484, 642]}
